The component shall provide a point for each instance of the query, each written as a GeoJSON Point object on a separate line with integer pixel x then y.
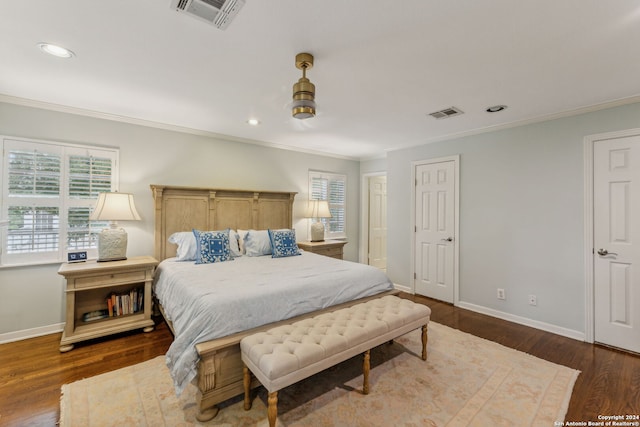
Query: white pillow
{"type": "Point", "coordinates": [187, 246]}
{"type": "Point", "coordinates": [241, 234]}
{"type": "Point", "coordinates": [257, 243]}
{"type": "Point", "coordinates": [234, 244]}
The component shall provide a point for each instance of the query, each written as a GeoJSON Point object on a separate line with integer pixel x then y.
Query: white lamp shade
{"type": "Point", "coordinates": [115, 207]}
{"type": "Point", "coordinates": [112, 242]}
{"type": "Point", "coordinates": [318, 209]}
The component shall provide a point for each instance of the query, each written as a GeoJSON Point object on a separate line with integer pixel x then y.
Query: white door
{"type": "Point", "coordinates": [616, 235]}
{"type": "Point", "coordinates": [378, 222]}
{"type": "Point", "coordinates": [435, 227]}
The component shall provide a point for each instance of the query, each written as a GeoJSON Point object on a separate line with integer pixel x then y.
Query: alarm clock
{"type": "Point", "coordinates": [77, 256]}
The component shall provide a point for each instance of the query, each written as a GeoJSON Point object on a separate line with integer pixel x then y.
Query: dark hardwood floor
{"type": "Point", "coordinates": [32, 371]}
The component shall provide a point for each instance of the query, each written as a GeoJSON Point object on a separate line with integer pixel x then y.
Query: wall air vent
{"type": "Point", "coordinates": [447, 112]}
{"type": "Point", "coordinates": [218, 13]}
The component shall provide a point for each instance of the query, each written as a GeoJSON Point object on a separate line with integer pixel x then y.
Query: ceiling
{"type": "Point", "coordinates": [380, 67]}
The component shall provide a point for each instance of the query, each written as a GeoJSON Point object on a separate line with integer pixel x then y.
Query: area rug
{"type": "Point", "coordinates": [466, 381]}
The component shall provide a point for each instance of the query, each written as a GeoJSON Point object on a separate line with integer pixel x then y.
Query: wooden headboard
{"type": "Point", "coordinates": [186, 208]}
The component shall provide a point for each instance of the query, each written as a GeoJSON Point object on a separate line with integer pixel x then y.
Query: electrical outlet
{"type": "Point", "coordinates": [533, 300]}
{"type": "Point", "coordinates": [501, 294]}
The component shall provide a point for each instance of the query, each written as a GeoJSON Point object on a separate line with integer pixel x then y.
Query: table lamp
{"type": "Point", "coordinates": [318, 209]}
{"type": "Point", "coordinates": [112, 241]}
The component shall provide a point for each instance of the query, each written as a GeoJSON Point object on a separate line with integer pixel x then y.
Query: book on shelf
{"type": "Point", "coordinates": [120, 304]}
{"type": "Point", "coordinates": [95, 315]}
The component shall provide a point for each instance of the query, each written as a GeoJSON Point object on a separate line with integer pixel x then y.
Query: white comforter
{"type": "Point", "coordinates": [209, 301]}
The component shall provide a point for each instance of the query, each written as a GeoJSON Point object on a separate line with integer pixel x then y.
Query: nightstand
{"type": "Point", "coordinates": [90, 285]}
{"type": "Point", "coordinates": [330, 248]}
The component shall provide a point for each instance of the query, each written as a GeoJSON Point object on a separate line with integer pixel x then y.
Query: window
{"type": "Point", "coordinates": [333, 188]}
{"type": "Point", "coordinates": [48, 192]}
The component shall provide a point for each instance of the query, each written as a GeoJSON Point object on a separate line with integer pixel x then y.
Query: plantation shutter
{"type": "Point", "coordinates": [332, 188]}
{"type": "Point", "coordinates": [48, 192]}
{"type": "Point", "coordinates": [337, 200]}
{"type": "Point", "coordinates": [89, 173]}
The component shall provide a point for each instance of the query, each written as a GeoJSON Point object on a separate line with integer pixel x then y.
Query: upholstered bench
{"type": "Point", "coordinates": [287, 354]}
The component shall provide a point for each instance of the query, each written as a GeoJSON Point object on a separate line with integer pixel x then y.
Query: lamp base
{"type": "Point", "coordinates": [112, 245]}
{"type": "Point", "coordinates": [317, 232]}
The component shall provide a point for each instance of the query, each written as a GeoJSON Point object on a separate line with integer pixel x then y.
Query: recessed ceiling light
{"type": "Point", "coordinates": [55, 50]}
{"type": "Point", "coordinates": [496, 108]}
{"type": "Point", "coordinates": [253, 122]}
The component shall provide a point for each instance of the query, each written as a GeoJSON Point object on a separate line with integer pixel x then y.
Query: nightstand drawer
{"type": "Point", "coordinates": [110, 279]}
{"type": "Point", "coordinates": [329, 248]}
{"type": "Point", "coordinates": [332, 252]}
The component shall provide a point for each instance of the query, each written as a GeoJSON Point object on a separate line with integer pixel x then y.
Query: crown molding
{"type": "Point", "coordinates": [157, 125]}
{"type": "Point", "coordinates": [538, 119]}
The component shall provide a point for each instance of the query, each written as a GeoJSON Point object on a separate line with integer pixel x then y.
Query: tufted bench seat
{"type": "Point", "coordinates": [287, 354]}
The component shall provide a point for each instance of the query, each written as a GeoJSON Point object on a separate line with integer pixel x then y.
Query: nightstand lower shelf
{"type": "Point", "coordinates": [108, 326]}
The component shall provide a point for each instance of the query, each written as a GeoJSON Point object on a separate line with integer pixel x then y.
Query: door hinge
{"type": "Point", "coordinates": [415, 276]}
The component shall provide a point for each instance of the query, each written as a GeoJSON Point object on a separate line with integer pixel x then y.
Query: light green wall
{"type": "Point", "coordinates": [521, 204]}
{"type": "Point", "coordinates": [154, 156]}
{"type": "Point", "coordinates": [521, 214]}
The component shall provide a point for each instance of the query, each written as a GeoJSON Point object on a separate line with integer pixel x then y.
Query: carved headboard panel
{"type": "Point", "coordinates": [186, 208]}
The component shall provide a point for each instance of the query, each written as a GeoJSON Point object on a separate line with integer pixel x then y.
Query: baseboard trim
{"type": "Point", "coordinates": [569, 333]}
{"type": "Point", "coordinates": [403, 288]}
{"type": "Point", "coordinates": [31, 333]}
{"type": "Point", "coordinates": [548, 327]}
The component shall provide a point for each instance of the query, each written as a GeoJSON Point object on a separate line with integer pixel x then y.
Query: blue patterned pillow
{"type": "Point", "coordinates": [213, 246]}
{"type": "Point", "coordinates": [283, 243]}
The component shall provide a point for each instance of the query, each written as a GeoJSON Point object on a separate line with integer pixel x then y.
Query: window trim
{"type": "Point", "coordinates": [336, 177]}
{"type": "Point", "coordinates": [63, 200]}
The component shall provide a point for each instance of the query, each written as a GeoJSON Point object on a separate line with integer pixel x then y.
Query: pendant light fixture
{"type": "Point", "coordinates": [304, 92]}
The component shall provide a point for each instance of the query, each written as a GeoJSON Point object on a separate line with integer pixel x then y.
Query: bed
{"type": "Point", "coordinates": [210, 355]}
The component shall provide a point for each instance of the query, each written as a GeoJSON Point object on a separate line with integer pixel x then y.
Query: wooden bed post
{"type": "Point", "coordinates": [158, 226]}
{"type": "Point", "coordinates": [291, 208]}
{"type": "Point", "coordinates": [212, 210]}
{"type": "Point", "coordinates": [254, 211]}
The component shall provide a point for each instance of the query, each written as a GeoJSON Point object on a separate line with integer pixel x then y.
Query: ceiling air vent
{"type": "Point", "coordinates": [447, 112]}
{"type": "Point", "coordinates": [218, 13]}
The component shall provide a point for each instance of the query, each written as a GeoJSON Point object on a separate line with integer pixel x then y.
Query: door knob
{"type": "Point", "coordinates": [604, 252]}
{"type": "Point", "coordinates": [448, 239]}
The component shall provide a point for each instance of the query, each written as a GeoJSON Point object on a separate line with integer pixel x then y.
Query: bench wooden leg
{"type": "Point", "coordinates": [365, 371]}
{"type": "Point", "coordinates": [272, 410]}
{"type": "Point", "coordinates": [246, 380]}
{"type": "Point", "coordinates": [424, 342]}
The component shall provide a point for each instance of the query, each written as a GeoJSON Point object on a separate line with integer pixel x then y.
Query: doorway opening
{"type": "Point", "coordinates": [373, 240]}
